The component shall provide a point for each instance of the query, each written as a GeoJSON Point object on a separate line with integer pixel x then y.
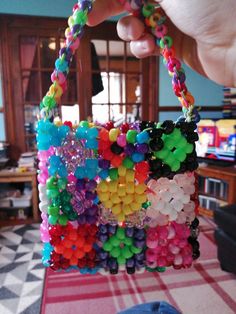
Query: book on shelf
{"type": "Point", "coordinates": [27, 160]}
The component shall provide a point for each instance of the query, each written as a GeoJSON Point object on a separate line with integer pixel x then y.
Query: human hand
{"type": "Point", "coordinates": [204, 34]}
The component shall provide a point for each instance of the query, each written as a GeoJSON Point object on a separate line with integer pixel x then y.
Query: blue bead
{"type": "Point", "coordinates": [137, 157]}
{"type": "Point", "coordinates": [92, 133]}
{"type": "Point", "coordinates": [103, 174]}
{"type": "Point", "coordinates": [81, 133]}
{"type": "Point", "coordinates": [62, 171]}
{"type": "Point", "coordinates": [91, 163]}
{"type": "Point", "coordinates": [142, 137]}
{"type": "Point", "coordinates": [63, 131]}
{"type": "Point", "coordinates": [61, 65]}
{"type": "Point", "coordinates": [80, 172]}
{"type": "Point", "coordinates": [91, 144]}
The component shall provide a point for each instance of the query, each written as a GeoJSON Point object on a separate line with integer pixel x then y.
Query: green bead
{"type": "Point", "coordinates": [162, 154]}
{"type": "Point", "coordinates": [169, 143]}
{"type": "Point", "coordinates": [188, 148]}
{"type": "Point", "coordinates": [49, 102]}
{"type": "Point", "coordinates": [63, 220]}
{"type": "Point", "coordinates": [126, 252]}
{"type": "Point", "coordinates": [52, 220]}
{"type": "Point", "coordinates": [180, 154]}
{"type": "Point", "coordinates": [128, 241]}
{"type": "Point", "coordinates": [53, 192]}
{"type": "Point", "coordinates": [73, 216]}
{"type": "Point", "coordinates": [146, 205]}
{"type": "Point", "coordinates": [181, 142]}
{"type": "Point", "coordinates": [135, 249]}
{"type": "Point", "coordinates": [115, 252]}
{"type": "Point", "coordinates": [151, 270]}
{"type": "Point", "coordinates": [62, 182]}
{"type": "Point", "coordinates": [167, 40]}
{"type": "Point", "coordinates": [53, 210]}
{"type": "Point", "coordinates": [113, 173]}
{"type": "Point", "coordinates": [131, 136]}
{"type": "Point", "coordinates": [128, 163]}
{"type": "Point", "coordinates": [50, 182]}
{"type": "Point", "coordinates": [160, 269]}
{"type": "Point", "coordinates": [120, 233]}
{"type": "Point", "coordinates": [67, 208]}
{"type": "Point", "coordinates": [107, 246]}
{"type": "Point", "coordinates": [148, 10]}
{"type": "Point", "coordinates": [84, 124]}
{"type": "Point", "coordinates": [176, 134]}
{"type": "Point", "coordinates": [175, 166]}
{"type": "Point", "coordinates": [121, 260]}
{"type": "Point", "coordinates": [170, 159]}
{"type": "Point", "coordinates": [80, 17]}
{"type": "Point", "coordinates": [114, 241]}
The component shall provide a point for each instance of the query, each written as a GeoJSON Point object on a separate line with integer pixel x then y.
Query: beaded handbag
{"type": "Point", "coordinates": [121, 198]}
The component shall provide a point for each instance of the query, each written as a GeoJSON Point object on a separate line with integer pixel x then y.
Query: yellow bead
{"type": "Point", "coordinates": [67, 32]}
{"type": "Point", "coordinates": [70, 21]}
{"type": "Point", "coordinates": [128, 199]}
{"type": "Point", "coordinates": [140, 188]}
{"type": "Point", "coordinates": [121, 171]}
{"type": "Point", "coordinates": [127, 210]}
{"type": "Point", "coordinates": [130, 175]}
{"type": "Point", "coordinates": [130, 188]}
{"type": "Point", "coordinates": [104, 196]}
{"type": "Point", "coordinates": [122, 180]}
{"type": "Point", "coordinates": [121, 190]}
{"type": "Point", "coordinates": [116, 209]}
{"type": "Point", "coordinates": [113, 134]}
{"type": "Point", "coordinates": [102, 186]}
{"type": "Point", "coordinates": [121, 217]}
{"type": "Point", "coordinates": [112, 186]}
{"type": "Point", "coordinates": [140, 198]}
{"type": "Point", "coordinates": [107, 204]}
{"type": "Point", "coordinates": [115, 198]}
{"type": "Point", "coordinates": [135, 206]}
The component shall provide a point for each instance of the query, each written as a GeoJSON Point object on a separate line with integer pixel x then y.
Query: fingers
{"type": "Point", "coordinates": [131, 29]}
{"type": "Point", "coordinates": [102, 10]}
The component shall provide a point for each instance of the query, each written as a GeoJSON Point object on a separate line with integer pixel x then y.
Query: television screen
{"type": "Point", "coordinates": [217, 139]}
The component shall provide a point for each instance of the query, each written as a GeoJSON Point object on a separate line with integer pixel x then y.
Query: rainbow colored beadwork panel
{"type": "Point", "coordinates": [118, 198]}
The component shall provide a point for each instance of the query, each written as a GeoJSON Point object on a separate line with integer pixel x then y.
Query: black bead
{"type": "Point", "coordinates": [192, 126]}
{"type": "Point", "coordinates": [116, 149]}
{"type": "Point", "coordinates": [195, 223]}
{"type": "Point", "coordinates": [155, 164]}
{"type": "Point", "coordinates": [182, 168]}
{"type": "Point", "coordinates": [149, 156]}
{"type": "Point", "coordinates": [192, 137]}
{"type": "Point", "coordinates": [130, 270]}
{"type": "Point", "coordinates": [114, 271]}
{"type": "Point", "coordinates": [155, 174]}
{"type": "Point", "coordinates": [183, 126]}
{"type": "Point", "coordinates": [168, 126]}
{"type": "Point", "coordinates": [166, 170]}
{"type": "Point", "coordinates": [196, 254]}
{"type": "Point", "coordinates": [155, 133]}
{"type": "Point", "coordinates": [195, 246]}
{"type": "Point", "coordinates": [156, 144]}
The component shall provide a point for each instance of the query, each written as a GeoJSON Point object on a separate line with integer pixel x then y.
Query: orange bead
{"type": "Point", "coordinates": [80, 242]}
{"type": "Point", "coordinates": [116, 161]}
{"type": "Point", "coordinates": [79, 254]}
{"type": "Point", "coordinates": [104, 135]}
{"type": "Point", "coordinates": [87, 247]}
{"type": "Point", "coordinates": [59, 249]}
{"type": "Point", "coordinates": [73, 261]}
{"type": "Point", "coordinates": [68, 253]}
{"type": "Point", "coordinates": [67, 243]}
{"type": "Point", "coordinates": [73, 235]}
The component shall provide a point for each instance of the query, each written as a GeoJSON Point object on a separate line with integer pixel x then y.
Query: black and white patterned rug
{"type": "Point", "coordinates": [21, 270]}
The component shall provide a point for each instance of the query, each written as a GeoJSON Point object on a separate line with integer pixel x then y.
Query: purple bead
{"type": "Point", "coordinates": [91, 219]}
{"type": "Point", "coordinates": [91, 211]}
{"type": "Point", "coordinates": [139, 234]}
{"type": "Point", "coordinates": [181, 77]}
{"type": "Point", "coordinates": [103, 237]}
{"type": "Point", "coordinates": [103, 229]}
{"type": "Point", "coordinates": [139, 264]}
{"type": "Point", "coordinates": [80, 184]}
{"type": "Point", "coordinates": [103, 255]}
{"type": "Point", "coordinates": [140, 256]}
{"type": "Point", "coordinates": [85, 5]}
{"type": "Point", "coordinates": [112, 229]}
{"type": "Point", "coordinates": [82, 219]}
{"type": "Point", "coordinates": [68, 53]}
{"type": "Point", "coordinates": [112, 263]}
{"type": "Point", "coordinates": [140, 243]}
{"type": "Point", "coordinates": [91, 185]}
{"type": "Point", "coordinates": [103, 163]}
{"type": "Point", "coordinates": [90, 195]}
{"type": "Point", "coordinates": [103, 263]}
{"type": "Point", "coordinates": [76, 28]}
{"type": "Point", "coordinates": [129, 231]}
{"type": "Point", "coordinates": [130, 262]}
{"type": "Point", "coordinates": [142, 148]}
{"type": "Point", "coordinates": [129, 149]}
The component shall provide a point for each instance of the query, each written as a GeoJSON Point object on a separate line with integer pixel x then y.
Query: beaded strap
{"type": "Point", "coordinates": [154, 20]}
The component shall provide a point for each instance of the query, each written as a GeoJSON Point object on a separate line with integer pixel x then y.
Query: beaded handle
{"type": "Point", "coordinates": [154, 19]}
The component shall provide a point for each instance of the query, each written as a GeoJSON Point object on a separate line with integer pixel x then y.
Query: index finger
{"type": "Point", "coordinates": [102, 9]}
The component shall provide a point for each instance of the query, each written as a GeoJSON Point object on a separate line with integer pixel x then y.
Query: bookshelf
{"type": "Point", "coordinates": [217, 187]}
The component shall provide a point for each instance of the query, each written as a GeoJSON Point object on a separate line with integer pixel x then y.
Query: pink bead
{"type": "Point", "coordinates": [170, 257]}
{"type": "Point", "coordinates": [187, 261]}
{"type": "Point", "coordinates": [75, 45]}
{"type": "Point", "coordinates": [163, 232]}
{"type": "Point", "coordinates": [150, 256]}
{"type": "Point", "coordinates": [178, 260]}
{"type": "Point", "coordinates": [71, 178]}
{"type": "Point", "coordinates": [161, 262]}
{"type": "Point", "coordinates": [164, 251]}
{"type": "Point", "coordinates": [121, 140]}
{"type": "Point", "coordinates": [58, 77]}
{"type": "Point", "coordinates": [160, 31]}
{"type": "Point", "coordinates": [173, 65]}
{"type": "Point", "coordinates": [173, 249]}
{"type": "Point", "coordinates": [152, 244]}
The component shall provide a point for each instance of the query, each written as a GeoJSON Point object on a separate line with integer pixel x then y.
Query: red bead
{"type": "Point", "coordinates": [124, 128]}
{"type": "Point", "coordinates": [109, 125]}
{"type": "Point", "coordinates": [179, 89]}
{"type": "Point", "coordinates": [68, 123]}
